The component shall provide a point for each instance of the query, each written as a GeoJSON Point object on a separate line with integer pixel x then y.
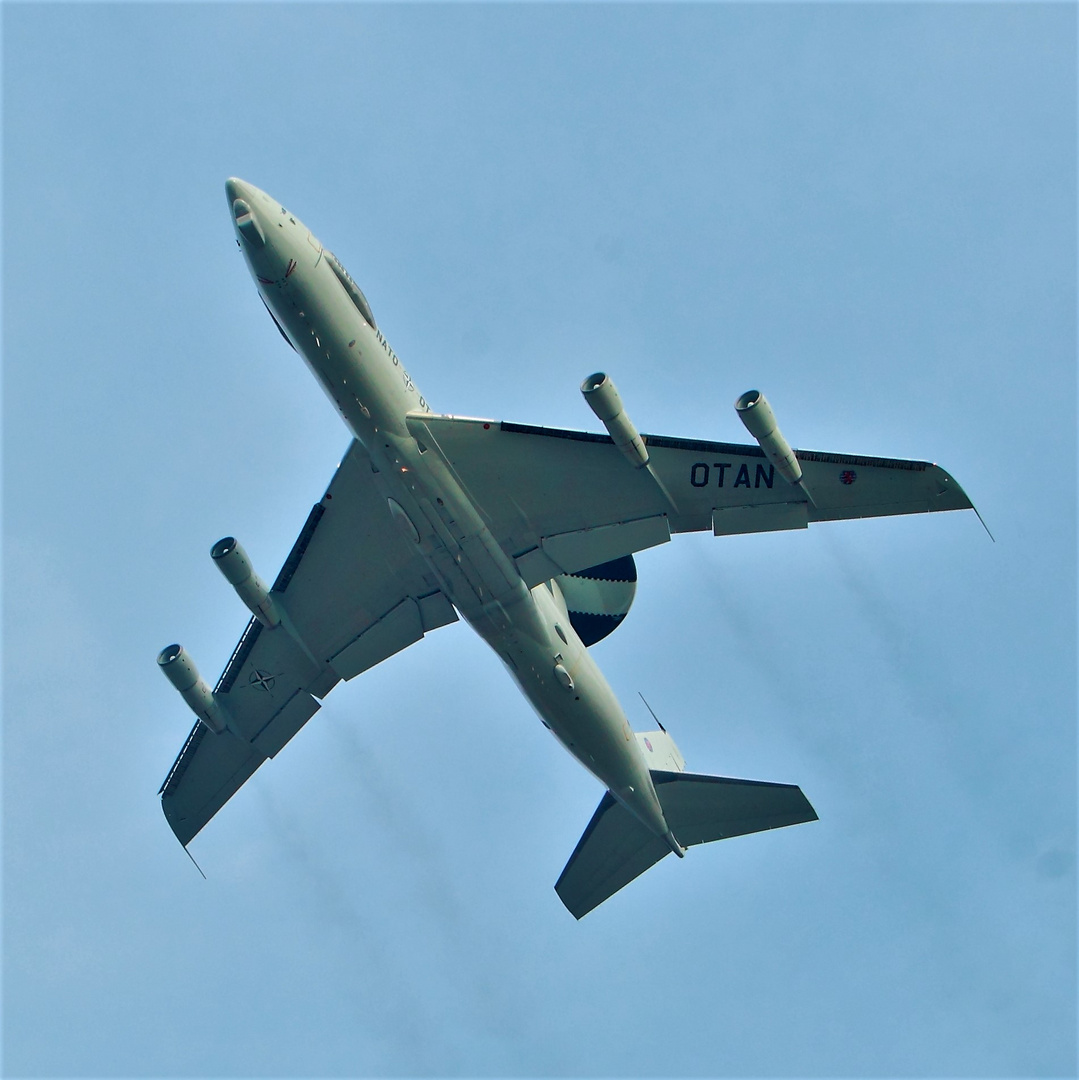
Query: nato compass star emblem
{"type": "Point", "coordinates": [262, 680]}
{"type": "Point", "coordinates": [848, 476]}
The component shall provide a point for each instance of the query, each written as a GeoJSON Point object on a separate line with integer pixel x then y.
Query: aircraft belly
{"type": "Point", "coordinates": [581, 711]}
{"type": "Point", "coordinates": [530, 630]}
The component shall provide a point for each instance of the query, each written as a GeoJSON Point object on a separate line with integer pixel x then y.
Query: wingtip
{"type": "Point", "coordinates": [949, 479]}
{"type": "Point", "coordinates": [952, 486]}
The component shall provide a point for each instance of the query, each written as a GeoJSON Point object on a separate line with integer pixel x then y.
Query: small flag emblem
{"type": "Point", "coordinates": [848, 476]}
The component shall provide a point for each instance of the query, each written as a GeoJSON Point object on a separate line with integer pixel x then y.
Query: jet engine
{"type": "Point", "coordinates": [182, 673]}
{"type": "Point", "coordinates": [604, 400]}
{"type": "Point", "coordinates": [232, 561]}
{"type": "Point", "coordinates": [755, 412]}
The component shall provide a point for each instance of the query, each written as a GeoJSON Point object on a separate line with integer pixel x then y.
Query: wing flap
{"type": "Point", "coordinates": [566, 553]}
{"type": "Point", "coordinates": [768, 517]}
{"type": "Point", "coordinates": [285, 723]}
{"type": "Point", "coordinates": [394, 631]}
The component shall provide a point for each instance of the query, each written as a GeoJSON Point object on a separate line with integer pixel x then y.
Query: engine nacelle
{"type": "Point", "coordinates": [760, 422]}
{"type": "Point", "coordinates": [182, 673]}
{"type": "Point", "coordinates": [232, 561]}
{"type": "Point", "coordinates": [604, 400]}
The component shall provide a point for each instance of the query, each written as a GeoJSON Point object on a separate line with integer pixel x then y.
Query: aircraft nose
{"type": "Point", "coordinates": [235, 188]}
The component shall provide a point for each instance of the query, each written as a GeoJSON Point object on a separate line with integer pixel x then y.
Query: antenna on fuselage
{"type": "Point", "coordinates": [649, 708]}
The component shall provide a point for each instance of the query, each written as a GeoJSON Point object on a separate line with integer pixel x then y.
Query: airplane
{"type": "Point", "coordinates": [527, 533]}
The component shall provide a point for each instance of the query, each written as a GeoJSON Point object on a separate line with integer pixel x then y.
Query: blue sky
{"type": "Point", "coordinates": [869, 211]}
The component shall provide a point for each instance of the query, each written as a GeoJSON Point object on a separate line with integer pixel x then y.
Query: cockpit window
{"type": "Point", "coordinates": [353, 290]}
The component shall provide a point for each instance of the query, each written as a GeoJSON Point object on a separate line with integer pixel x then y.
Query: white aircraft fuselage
{"type": "Point", "coordinates": [530, 630]}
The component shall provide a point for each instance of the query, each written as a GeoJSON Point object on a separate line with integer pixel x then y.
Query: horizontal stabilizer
{"type": "Point", "coordinates": [700, 809]}
{"type": "Point", "coordinates": [616, 847]}
{"type": "Point", "coordinates": [614, 850]}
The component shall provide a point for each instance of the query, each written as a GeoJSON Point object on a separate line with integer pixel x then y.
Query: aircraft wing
{"type": "Point", "coordinates": [352, 592]}
{"type": "Point", "coordinates": [560, 501]}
